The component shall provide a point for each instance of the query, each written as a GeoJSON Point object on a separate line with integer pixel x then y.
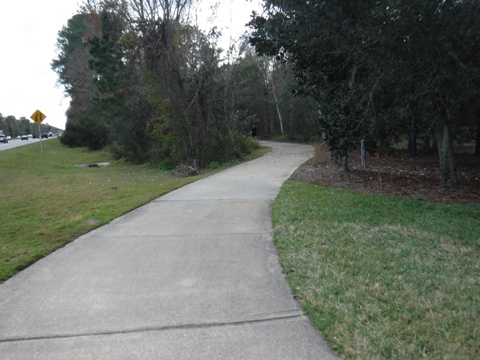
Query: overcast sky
{"type": "Point", "coordinates": [28, 34]}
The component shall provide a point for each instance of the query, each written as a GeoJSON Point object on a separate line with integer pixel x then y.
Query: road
{"type": "Point", "coordinates": [17, 142]}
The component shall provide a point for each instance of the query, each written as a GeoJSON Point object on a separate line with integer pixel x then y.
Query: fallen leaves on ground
{"type": "Point", "coordinates": [398, 175]}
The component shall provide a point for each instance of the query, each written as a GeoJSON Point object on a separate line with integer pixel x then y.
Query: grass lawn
{"type": "Point", "coordinates": [46, 201]}
{"type": "Point", "coordinates": [383, 278]}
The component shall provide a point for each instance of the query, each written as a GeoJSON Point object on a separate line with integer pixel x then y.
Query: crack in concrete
{"type": "Point", "coordinates": [292, 314]}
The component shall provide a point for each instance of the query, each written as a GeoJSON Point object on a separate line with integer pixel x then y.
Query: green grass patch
{"type": "Point", "coordinates": [47, 201]}
{"type": "Point", "coordinates": [383, 278]}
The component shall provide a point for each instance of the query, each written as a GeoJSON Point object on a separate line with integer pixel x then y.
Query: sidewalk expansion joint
{"type": "Point", "coordinates": [266, 319]}
{"type": "Point", "coordinates": [213, 200]}
{"type": "Point", "coordinates": [266, 232]}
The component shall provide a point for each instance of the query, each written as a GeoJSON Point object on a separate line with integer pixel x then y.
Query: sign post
{"type": "Point", "coordinates": [38, 117]}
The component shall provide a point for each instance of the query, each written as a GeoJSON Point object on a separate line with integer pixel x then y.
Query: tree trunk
{"type": "Point", "coordinates": [265, 122]}
{"type": "Point", "coordinates": [278, 107]}
{"type": "Point", "coordinates": [448, 171]}
{"type": "Point", "coordinates": [345, 163]}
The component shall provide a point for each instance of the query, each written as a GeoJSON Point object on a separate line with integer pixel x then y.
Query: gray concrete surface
{"type": "Point", "coordinates": [191, 275]}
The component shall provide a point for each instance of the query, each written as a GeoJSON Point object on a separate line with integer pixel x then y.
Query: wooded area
{"type": "Point", "coordinates": [153, 87]}
{"type": "Point", "coordinates": [383, 71]}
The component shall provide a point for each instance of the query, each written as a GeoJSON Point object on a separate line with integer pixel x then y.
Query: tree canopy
{"type": "Point", "coordinates": [153, 87]}
{"type": "Point", "coordinates": [146, 82]}
{"type": "Point", "coordinates": [380, 70]}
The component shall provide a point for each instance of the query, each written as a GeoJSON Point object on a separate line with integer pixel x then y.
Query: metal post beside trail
{"type": "Point", "coordinates": [362, 154]}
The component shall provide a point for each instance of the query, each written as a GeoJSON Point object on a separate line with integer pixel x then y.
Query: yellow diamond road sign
{"type": "Point", "coordinates": [38, 117]}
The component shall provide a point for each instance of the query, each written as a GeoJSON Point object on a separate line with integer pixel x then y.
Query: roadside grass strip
{"type": "Point", "coordinates": [381, 277]}
{"type": "Point", "coordinates": [47, 201]}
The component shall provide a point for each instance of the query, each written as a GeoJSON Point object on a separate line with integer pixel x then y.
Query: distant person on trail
{"type": "Point", "coordinates": [254, 131]}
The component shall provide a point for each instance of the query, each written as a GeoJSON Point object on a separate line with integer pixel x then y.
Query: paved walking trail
{"type": "Point", "coordinates": [191, 275]}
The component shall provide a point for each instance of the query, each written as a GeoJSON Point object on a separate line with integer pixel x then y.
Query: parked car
{"type": "Point", "coordinates": [3, 139]}
{"type": "Point", "coordinates": [24, 137]}
{"type": "Point", "coordinates": [44, 136]}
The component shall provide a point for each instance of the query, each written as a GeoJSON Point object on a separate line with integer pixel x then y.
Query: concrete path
{"type": "Point", "coordinates": [191, 275]}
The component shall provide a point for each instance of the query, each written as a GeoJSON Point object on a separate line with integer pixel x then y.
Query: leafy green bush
{"type": "Point", "coordinates": [214, 165]}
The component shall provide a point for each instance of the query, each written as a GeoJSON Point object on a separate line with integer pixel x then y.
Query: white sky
{"type": "Point", "coordinates": [28, 34]}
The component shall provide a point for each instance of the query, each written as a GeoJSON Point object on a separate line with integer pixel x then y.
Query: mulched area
{"type": "Point", "coordinates": [398, 175]}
